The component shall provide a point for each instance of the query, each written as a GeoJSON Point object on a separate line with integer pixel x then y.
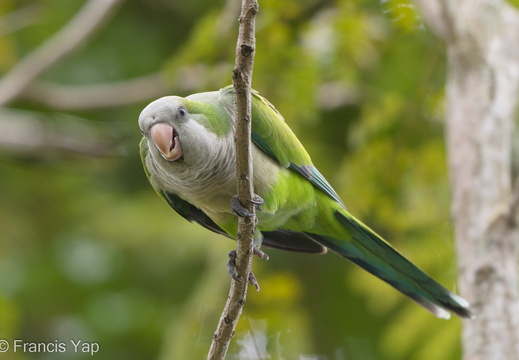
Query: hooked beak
{"type": "Point", "coordinates": [166, 140]}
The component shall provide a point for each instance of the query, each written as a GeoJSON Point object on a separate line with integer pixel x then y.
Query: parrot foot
{"type": "Point", "coordinates": [233, 271]}
{"type": "Point", "coordinates": [240, 210]}
{"type": "Point", "coordinates": [260, 254]}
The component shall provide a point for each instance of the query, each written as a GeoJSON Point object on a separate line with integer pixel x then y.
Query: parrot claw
{"type": "Point", "coordinates": [253, 281]}
{"type": "Point", "coordinates": [258, 201]}
{"type": "Point", "coordinates": [231, 266]}
{"type": "Point", "coordinates": [260, 254]}
{"type": "Point", "coordinates": [233, 271]}
{"type": "Point", "coordinates": [240, 210]}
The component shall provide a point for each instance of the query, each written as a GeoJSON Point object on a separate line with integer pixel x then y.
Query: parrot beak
{"type": "Point", "coordinates": [166, 140]}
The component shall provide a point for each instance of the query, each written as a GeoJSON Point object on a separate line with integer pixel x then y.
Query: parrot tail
{"type": "Point", "coordinates": [372, 253]}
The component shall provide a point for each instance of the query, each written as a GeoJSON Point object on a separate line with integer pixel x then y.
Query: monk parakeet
{"type": "Point", "coordinates": [189, 157]}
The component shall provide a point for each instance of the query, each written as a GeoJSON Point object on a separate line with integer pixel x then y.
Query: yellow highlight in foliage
{"type": "Point", "coordinates": [280, 287]}
{"type": "Point", "coordinates": [7, 55]}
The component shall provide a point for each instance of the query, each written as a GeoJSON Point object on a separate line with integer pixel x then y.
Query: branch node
{"type": "Point", "coordinates": [247, 50]}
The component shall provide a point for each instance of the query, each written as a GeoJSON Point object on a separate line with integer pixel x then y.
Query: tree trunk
{"type": "Point", "coordinates": [482, 39]}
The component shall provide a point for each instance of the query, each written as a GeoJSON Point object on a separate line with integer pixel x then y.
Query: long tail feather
{"type": "Point", "coordinates": [375, 255]}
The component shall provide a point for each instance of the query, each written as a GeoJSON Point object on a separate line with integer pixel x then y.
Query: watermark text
{"type": "Point", "coordinates": [56, 346]}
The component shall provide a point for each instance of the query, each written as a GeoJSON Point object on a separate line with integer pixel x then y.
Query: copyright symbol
{"type": "Point", "coordinates": [4, 345]}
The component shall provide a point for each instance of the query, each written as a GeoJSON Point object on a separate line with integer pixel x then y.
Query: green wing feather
{"type": "Point", "coordinates": [272, 135]}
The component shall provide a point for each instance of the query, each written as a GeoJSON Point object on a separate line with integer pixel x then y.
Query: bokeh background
{"type": "Point", "coordinates": [89, 252]}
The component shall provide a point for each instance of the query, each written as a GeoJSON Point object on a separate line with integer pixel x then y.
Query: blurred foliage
{"type": "Point", "coordinates": [88, 251]}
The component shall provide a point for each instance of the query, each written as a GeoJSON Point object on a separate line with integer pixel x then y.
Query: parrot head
{"type": "Point", "coordinates": [187, 130]}
{"type": "Point", "coordinates": [164, 124]}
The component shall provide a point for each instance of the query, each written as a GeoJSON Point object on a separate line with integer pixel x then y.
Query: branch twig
{"type": "Point", "coordinates": [33, 134]}
{"type": "Point", "coordinates": [75, 33]}
{"type": "Point", "coordinates": [96, 96]}
{"type": "Point", "coordinates": [124, 92]}
{"type": "Point", "coordinates": [242, 78]}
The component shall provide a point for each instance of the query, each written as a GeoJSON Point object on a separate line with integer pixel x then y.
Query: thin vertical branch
{"type": "Point", "coordinates": [242, 78]}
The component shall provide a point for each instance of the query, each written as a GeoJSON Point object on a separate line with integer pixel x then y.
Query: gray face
{"type": "Point", "coordinates": [184, 156]}
{"type": "Point", "coordinates": [162, 122]}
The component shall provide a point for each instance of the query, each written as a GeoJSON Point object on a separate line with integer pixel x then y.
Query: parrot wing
{"type": "Point", "coordinates": [273, 136]}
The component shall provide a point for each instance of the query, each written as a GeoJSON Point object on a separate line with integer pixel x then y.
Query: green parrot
{"type": "Point", "coordinates": [189, 158]}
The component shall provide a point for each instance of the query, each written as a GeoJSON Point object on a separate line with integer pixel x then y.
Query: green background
{"type": "Point", "coordinates": [88, 250]}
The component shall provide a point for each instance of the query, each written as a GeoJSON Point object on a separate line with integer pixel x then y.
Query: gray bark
{"type": "Point", "coordinates": [482, 39]}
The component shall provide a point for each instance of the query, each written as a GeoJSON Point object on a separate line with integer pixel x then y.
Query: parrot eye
{"type": "Point", "coordinates": [182, 112]}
